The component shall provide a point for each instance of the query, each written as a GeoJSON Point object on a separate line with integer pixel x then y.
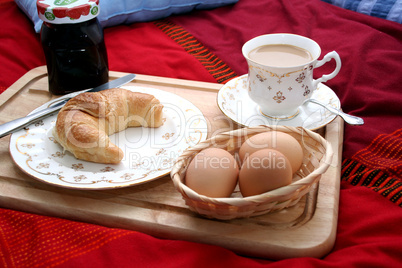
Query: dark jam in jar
{"type": "Point", "coordinates": [76, 56]}
{"type": "Point", "coordinates": [73, 43]}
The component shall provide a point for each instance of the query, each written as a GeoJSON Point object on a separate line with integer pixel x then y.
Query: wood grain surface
{"type": "Point", "coordinates": [156, 208]}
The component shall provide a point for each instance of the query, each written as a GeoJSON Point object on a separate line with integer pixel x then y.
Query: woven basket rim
{"type": "Point", "coordinates": [255, 199]}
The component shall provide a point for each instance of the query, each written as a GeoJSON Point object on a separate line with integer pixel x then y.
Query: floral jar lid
{"type": "Point", "coordinates": [67, 11]}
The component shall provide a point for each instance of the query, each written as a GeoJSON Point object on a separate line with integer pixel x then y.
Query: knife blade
{"type": "Point", "coordinates": [57, 104]}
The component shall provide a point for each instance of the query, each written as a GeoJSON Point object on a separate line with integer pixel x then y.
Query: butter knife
{"type": "Point", "coordinates": [56, 105]}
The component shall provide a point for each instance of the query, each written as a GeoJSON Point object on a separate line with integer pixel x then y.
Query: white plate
{"type": "Point", "coordinates": [149, 153]}
{"type": "Point", "coordinates": [234, 102]}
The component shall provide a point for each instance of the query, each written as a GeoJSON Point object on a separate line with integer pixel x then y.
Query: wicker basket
{"type": "Point", "coordinates": [317, 158]}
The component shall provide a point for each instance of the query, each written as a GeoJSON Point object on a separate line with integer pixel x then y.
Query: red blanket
{"type": "Point", "coordinates": [369, 228]}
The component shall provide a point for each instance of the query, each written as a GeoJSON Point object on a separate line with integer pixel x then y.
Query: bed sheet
{"type": "Point", "coordinates": [369, 85]}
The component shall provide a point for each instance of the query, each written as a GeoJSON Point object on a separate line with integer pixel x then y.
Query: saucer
{"type": "Point", "coordinates": [234, 102]}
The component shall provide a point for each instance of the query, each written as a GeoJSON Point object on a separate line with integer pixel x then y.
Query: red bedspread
{"type": "Point", "coordinates": [369, 85]}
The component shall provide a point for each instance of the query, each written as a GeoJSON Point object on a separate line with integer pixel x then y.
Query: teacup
{"type": "Point", "coordinates": [280, 72]}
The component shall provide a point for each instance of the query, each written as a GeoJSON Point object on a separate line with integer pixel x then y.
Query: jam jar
{"type": "Point", "coordinates": [73, 43]}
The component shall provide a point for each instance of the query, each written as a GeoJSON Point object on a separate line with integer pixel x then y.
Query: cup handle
{"type": "Point", "coordinates": [327, 58]}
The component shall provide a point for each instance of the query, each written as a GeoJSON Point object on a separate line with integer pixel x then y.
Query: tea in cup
{"type": "Point", "coordinates": [280, 72]}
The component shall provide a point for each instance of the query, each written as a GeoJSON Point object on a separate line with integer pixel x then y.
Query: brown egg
{"type": "Point", "coordinates": [263, 171]}
{"type": "Point", "coordinates": [277, 140]}
{"type": "Point", "coordinates": [213, 172]}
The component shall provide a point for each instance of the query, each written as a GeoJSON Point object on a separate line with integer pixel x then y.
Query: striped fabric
{"type": "Point", "coordinates": [387, 185]}
{"type": "Point", "coordinates": [378, 167]}
{"type": "Point", "coordinates": [384, 152]}
{"type": "Point", "coordinates": [29, 240]}
{"type": "Point", "coordinates": [214, 65]}
{"type": "Point", "coordinates": [385, 9]}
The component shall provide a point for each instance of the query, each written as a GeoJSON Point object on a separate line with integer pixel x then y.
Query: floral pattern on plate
{"type": "Point", "coordinates": [149, 153]}
{"type": "Point", "coordinates": [234, 102]}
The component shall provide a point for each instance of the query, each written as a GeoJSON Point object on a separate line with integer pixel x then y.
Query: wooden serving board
{"type": "Point", "coordinates": [156, 208]}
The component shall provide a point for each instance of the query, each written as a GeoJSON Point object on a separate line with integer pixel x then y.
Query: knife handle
{"type": "Point", "coordinates": [20, 123]}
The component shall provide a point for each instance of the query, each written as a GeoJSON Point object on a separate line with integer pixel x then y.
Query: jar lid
{"type": "Point", "coordinates": [67, 11]}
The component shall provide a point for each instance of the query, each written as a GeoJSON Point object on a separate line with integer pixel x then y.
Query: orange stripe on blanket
{"type": "Point", "coordinates": [28, 240]}
{"type": "Point", "coordinates": [215, 66]}
{"type": "Point", "coordinates": [378, 166]}
{"type": "Point", "coordinates": [384, 152]}
{"type": "Point", "coordinates": [379, 181]}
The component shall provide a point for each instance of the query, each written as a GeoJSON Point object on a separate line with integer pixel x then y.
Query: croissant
{"type": "Point", "coordinates": [84, 124]}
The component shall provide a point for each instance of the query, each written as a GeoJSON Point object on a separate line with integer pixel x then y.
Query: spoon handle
{"type": "Point", "coordinates": [350, 119]}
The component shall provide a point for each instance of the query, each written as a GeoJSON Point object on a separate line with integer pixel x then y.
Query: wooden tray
{"type": "Point", "coordinates": [156, 208]}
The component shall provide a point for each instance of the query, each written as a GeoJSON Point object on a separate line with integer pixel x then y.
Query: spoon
{"type": "Point", "coordinates": [350, 119]}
